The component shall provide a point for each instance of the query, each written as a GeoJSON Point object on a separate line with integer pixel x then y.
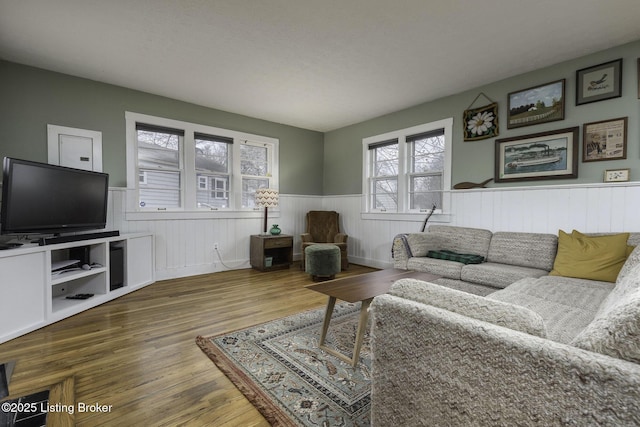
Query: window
{"type": "Point", "coordinates": [426, 170]}
{"type": "Point", "coordinates": [255, 170]}
{"type": "Point", "coordinates": [212, 154]}
{"type": "Point", "coordinates": [180, 166]}
{"type": "Point", "coordinates": [384, 175]}
{"type": "Point", "coordinates": [159, 161]}
{"type": "Point", "coordinates": [408, 171]}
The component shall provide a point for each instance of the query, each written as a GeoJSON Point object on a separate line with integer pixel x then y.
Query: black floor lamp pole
{"type": "Point", "coordinates": [265, 220]}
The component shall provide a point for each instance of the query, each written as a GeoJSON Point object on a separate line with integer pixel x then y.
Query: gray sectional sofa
{"type": "Point", "coordinates": [509, 256]}
{"type": "Point", "coordinates": [518, 347]}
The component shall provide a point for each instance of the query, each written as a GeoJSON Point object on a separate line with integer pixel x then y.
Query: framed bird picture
{"type": "Point", "coordinates": [599, 82]}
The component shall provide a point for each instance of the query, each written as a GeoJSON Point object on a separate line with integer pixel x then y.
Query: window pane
{"type": "Point", "coordinates": [161, 189]}
{"type": "Point", "coordinates": [253, 160]}
{"type": "Point", "coordinates": [425, 191]}
{"type": "Point", "coordinates": [428, 154]}
{"type": "Point", "coordinates": [212, 156]}
{"type": "Point", "coordinates": [158, 150]}
{"type": "Point", "coordinates": [249, 187]}
{"type": "Point", "coordinates": [212, 191]}
{"type": "Point", "coordinates": [386, 160]}
{"type": "Point", "coordinates": [429, 163]}
{"type": "Point", "coordinates": [385, 194]}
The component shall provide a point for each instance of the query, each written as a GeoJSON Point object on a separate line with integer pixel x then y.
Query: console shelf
{"type": "Point", "coordinates": [34, 296]}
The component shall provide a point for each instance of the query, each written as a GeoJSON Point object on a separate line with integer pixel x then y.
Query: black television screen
{"type": "Point", "coordinates": [42, 198]}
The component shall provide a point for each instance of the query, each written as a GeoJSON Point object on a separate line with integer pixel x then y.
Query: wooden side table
{"type": "Point", "coordinates": [277, 249]}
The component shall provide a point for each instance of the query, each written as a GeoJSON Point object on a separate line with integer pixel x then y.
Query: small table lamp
{"type": "Point", "coordinates": [266, 198]}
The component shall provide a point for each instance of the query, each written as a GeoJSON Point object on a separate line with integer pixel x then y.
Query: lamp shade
{"type": "Point", "coordinates": [267, 197]}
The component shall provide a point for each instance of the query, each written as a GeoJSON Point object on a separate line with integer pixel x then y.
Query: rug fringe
{"type": "Point", "coordinates": [272, 413]}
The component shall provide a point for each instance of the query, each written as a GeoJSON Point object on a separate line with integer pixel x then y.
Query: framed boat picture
{"type": "Point", "coordinates": [545, 155]}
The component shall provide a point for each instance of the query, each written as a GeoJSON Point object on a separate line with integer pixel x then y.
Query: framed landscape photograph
{"type": "Point", "coordinates": [535, 105]}
{"type": "Point", "coordinates": [545, 155]}
{"type": "Point", "coordinates": [600, 82]}
{"type": "Point", "coordinates": [604, 140]}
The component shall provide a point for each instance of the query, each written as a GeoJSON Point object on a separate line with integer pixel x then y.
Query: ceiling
{"type": "Point", "coordinates": [318, 65]}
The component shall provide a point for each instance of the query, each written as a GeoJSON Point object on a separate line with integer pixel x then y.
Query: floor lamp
{"type": "Point", "coordinates": [266, 198]}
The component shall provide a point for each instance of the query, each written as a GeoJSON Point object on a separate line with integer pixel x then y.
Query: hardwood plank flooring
{"type": "Point", "coordinates": [138, 352]}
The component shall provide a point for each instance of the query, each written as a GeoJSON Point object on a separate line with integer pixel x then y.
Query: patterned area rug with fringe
{"type": "Point", "coordinates": [280, 369]}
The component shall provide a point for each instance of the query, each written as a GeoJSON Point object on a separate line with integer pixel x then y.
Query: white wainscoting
{"type": "Point", "coordinates": [184, 247]}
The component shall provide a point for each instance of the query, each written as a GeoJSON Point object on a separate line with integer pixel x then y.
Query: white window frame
{"type": "Point", "coordinates": [404, 172]}
{"type": "Point", "coordinates": [189, 183]}
{"type": "Point", "coordinates": [270, 161]}
{"type": "Point", "coordinates": [203, 183]}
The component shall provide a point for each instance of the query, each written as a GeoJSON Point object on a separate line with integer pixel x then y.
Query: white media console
{"type": "Point", "coordinates": [32, 296]}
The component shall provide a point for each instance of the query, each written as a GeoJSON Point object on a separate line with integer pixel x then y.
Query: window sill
{"type": "Point", "coordinates": [196, 215]}
{"type": "Point", "coordinates": [408, 217]}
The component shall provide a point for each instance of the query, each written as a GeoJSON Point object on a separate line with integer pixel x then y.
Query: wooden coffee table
{"type": "Point", "coordinates": [362, 288]}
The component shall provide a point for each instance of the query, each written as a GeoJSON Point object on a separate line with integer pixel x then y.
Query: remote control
{"type": "Point", "coordinates": [79, 296]}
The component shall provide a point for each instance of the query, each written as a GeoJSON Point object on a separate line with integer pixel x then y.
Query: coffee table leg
{"type": "Point", "coordinates": [327, 319]}
{"type": "Point", "coordinates": [362, 327]}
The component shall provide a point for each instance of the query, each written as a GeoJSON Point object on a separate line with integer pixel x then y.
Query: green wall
{"type": "Point", "coordinates": [31, 98]}
{"type": "Point", "coordinates": [474, 161]}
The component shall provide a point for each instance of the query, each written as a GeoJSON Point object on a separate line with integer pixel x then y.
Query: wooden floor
{"type": "Point", "coordinates": [138, 353]}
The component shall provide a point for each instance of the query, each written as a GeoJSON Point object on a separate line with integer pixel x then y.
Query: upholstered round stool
{"type": "Point", "coordinates": [322, 261]}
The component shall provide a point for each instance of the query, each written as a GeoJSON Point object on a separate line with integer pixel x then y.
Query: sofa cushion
{"type": "Point", "coordinates": [463, 239]}
{"type": "Point", "coordinates": [439, 267]}
{"type": "Point", "coordinates": [588, 257]}
{"type": "Point", "coordinates": [470, 288]}
{"type": "Point", "coordinates": [632, 260]}
{"type": "Point", "coordinates": [567, 305]}
{"type": "Point", "coordinates": [474, 306]}
{"type": "Point", "coordinates": [626, 284]}
{"type": "Point", "coordinates": [616, 329]}
{"type": "Point", "coordinates": [535, 250]}
{"type": "Point", "coordinates": [498, 275]}
{"type": "Point", "coordinates": [421, 243]}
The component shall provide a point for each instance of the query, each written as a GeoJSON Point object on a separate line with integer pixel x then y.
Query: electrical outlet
{"type": "Point", "coordinates": [215, 246]}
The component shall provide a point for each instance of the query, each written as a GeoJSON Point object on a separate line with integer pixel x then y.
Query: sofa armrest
{"type": "Point", "coordinates": [433, 367]}
{"type": "Point", "coordinates": [340, 238]}
{"type": "Point", "coordinates": [400, 251]}
{"type": "Point", "coordinates": [306, 237]}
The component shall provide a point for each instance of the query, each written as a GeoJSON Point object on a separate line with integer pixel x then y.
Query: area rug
{"type": "Point", "coordinates": [282, 372]}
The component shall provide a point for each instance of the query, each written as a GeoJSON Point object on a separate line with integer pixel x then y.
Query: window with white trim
{"type": "Point", "coordinates": [213, 166]}
{"type": "Point", "coordinates": [385, 164]}
{"type": "Point", "coordinates": [160, 163]}
{"type": "Point", "coordinates": [426, 169]}
{"type": "Point", "coordinates": [256, 170]}
{"type": "Point", "coordinates": [408, 170]}
{"type": "Point", "coordinates": [180, 166]}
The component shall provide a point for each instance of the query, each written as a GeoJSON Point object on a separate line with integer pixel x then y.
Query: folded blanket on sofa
{"type": "Point", "coordinates": [454, 256]}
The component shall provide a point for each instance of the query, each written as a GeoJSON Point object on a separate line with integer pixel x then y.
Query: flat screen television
{"type": "Point", "coordinates": [39, 198]}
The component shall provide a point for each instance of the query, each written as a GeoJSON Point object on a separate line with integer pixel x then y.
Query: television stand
{"type": "Point", "coordinates": [77, 237]}
{"type": "Point", "coordinates": [34, 296]}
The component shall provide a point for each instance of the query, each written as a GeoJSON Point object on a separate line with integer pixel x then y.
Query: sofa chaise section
{"type": "Point", "coordinates": [549, 350]}
{"type": "Point", "coordinates": [435, 367]}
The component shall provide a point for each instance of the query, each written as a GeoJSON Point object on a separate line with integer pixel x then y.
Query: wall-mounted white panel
{"type": "Point", "coordinates": [74, 148]}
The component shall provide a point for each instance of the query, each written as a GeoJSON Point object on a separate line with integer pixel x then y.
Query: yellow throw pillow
{"type": "Point", "coordinates": [590, 257]}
